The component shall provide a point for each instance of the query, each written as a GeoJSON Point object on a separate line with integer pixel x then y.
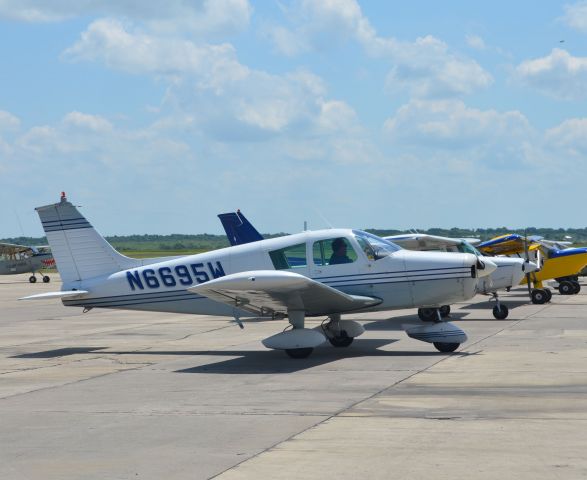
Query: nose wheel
{"type": "Point", "coordinates": [446, 347]}
{"type": "Point", "coordinates": [299, 352]}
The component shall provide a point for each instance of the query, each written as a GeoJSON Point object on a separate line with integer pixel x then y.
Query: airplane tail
{"type": "Point", "coordinates": [80, 252]}
{"type": "Point", "coordinates": [238, 229]}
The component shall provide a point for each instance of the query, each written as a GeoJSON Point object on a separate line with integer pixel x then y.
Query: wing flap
{"type": "Point", "coordinates": [270, 291]}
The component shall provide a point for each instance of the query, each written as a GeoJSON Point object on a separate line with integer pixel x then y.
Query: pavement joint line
{"type": "Point", "coordinates": [352, 405]}
{"type": "Point", "coordinates": [331, 416]}
{"type": "Point", "coordinates": [470, 418]}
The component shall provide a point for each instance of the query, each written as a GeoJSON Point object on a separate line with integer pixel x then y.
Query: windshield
{"type": "Point", "coordinates": [375, 247]}
{"type": "Point", "coordinates": [466, 247]}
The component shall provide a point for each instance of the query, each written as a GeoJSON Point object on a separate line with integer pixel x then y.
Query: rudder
{"type": "Point", "coordinates": [80, 252]}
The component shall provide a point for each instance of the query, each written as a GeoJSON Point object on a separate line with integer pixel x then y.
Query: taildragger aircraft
{"type": "Point", "coordinates": [287, 277]}
{"type": "Point", "coordinates": [554, 263]}
{"type": "Point", "coordinates": [15, 259]}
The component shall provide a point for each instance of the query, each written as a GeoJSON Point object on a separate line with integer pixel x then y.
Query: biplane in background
{"type": "Point", "coordinates": [314, 273]}
{"type": "Point", "coordinates": [555, 263]}
{"type": "Point", "coordinates": [16, 259]}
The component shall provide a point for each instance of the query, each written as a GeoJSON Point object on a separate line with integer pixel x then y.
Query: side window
{"type": "Point", "coordinates": [289, 257]}
{"type": "Point", "coordinates": [333, 251]}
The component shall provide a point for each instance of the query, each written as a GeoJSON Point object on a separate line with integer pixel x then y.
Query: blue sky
{"type": "Point", "coordinates": [156, 116]}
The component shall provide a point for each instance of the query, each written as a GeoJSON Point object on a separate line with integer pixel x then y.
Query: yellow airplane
{"type": "Point", "coordinates": [554, 263]}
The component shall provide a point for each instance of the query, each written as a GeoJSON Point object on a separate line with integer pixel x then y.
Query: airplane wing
{"type": "Point", "coordinates": [422, 241]}
{"type": "Point", "coordinates": [12, 249]}
{"type": "Point", "coordinates": [504, 245]}
{"type": "Point", "coordinates": [265, 292]}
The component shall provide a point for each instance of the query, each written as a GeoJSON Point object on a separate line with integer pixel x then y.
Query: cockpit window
{"type": "Point", "coordinates": [375, 247]}
{"type": "Point", "coordinates": [289, 257]}
{"type": "Point", "coordinates": [333, 251]}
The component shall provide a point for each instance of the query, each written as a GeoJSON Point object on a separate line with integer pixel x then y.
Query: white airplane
{"type": "Point", "coordinates": [509, 272]}
{"type": "Point", "coordinates": [16, 259]}
{"type": "Point", "coordinates": [295, 276]}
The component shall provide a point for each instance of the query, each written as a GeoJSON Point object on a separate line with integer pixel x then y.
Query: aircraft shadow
{"type": "Point", "coordinates": [257, 361]}
{"type": "Point", "coordinates": [271, 361]}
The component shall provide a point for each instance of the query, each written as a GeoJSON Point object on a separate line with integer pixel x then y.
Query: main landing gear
{"type": "Point", "coordinates": [341, 333]}
{"type": "Point", "coordinates": [569, 287]}
{"type": "Point", "coordinates": [45, 278]}
{"type": "Point", "coordinates": [299, 342]}
{"type": "Point", "coordinates": [540, 296]}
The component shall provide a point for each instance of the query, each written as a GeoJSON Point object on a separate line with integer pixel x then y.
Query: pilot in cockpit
{"type": "Point", "coordinates": [339, 249]}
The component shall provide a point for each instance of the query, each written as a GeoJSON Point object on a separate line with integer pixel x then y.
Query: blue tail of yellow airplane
{"type": "Point", "coordinates": [238, 229]}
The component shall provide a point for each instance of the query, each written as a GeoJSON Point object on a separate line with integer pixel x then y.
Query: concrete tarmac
{"type": "Point", "coordinates": [114, 394]}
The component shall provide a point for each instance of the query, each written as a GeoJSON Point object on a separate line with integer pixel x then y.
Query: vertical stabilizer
{"type": "Point", "coordinates": [238, 229]}
{"type": "Point", "coordinates": [80, 252]}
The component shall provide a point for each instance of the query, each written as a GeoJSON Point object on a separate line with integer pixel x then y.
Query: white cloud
{"type": "Point", "coordinates": [558, 74]}
{"type": "Point", "coordinates": [195, 17]}
{"type": "Point", "coordinates": [451, 124]}
{"type": "Point", "coordinates": [476, 42]}
{"type": "Point", "coordinates": [576, 15]}
{"type": "Point", "coordinates": [122, 47]}
{"type": "Point", "coordinates": [570, 136]}
{"type": "Point", "coordinates": [207, 84]}
{"type": "Point", "coordinates": [87, 121]}
{"type": "Point", "coordinates": [426, 67]}
{"type": "Point", "coordinates": [8, 121]}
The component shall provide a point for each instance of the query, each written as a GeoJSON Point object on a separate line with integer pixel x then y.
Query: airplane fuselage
{"type": "Point", "coordinates": [402, 279]}
{"type": "Point", "coordinates": [13, 266]}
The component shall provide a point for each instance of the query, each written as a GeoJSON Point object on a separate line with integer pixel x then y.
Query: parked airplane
{"type": "Point", "coordinates": [509, 272]}
{"type": "Point", "coordinates": [295, 276]}
{"type": "Point", "coordinates": [22, 259]}
{"type": "Point", "coordinates": [555, 263]}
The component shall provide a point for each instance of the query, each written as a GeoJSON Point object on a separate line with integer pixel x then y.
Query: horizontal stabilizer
{"type": "Point", "coordinates": [50, 295]}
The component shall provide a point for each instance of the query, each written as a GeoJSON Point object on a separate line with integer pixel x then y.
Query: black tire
{"type": "Point", "coordinates": [577, 286]}
{"type": "Point", "coordinates": [566, 288]}
{"type": "Point", "coordinates": [539, 297]}
{"type": "Point", "coordinates": [444, 311]}
{"type": "Point", "coordinates": [446, 347]}
{"type": "Point", "coordinates": [501, 312]}
{"type": "Point", "coordinates": [32, 279]}
{"type": "Point", "coordinates": [427, 314]}
{"type": "Point", "coordinates": [548, 295]}
{"type": "Point", "coordinates": [46, 279]}
{"type": "Point", "coordinates": [299, 352]}
{"type": "Point", "coordinates": [342, 340]}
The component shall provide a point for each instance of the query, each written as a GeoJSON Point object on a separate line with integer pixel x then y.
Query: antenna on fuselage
{"type": "Point", "coordinates": [324, 219]}
{"type": "Point", "coordinates": [305, 226]}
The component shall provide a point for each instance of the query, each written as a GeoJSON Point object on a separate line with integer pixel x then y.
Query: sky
{"type": "Point", "coordinates": [156, 116]}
